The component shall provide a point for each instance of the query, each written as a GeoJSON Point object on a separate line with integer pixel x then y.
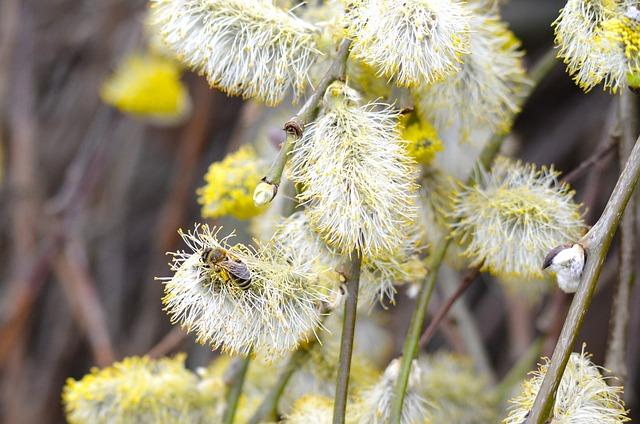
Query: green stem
{"type": "Point", "coordinates": [294, 127]}
{"type": "Point", "coordinates": [346, 342]}
{"type": "Point", "coordinates": [543, 66]}
{"type": "Point", "coordinates": [268, 407]}
{"type": "Point", "coordinates": [410, 350]}
{"type": "Point", "coordinates": [597, 242]}
{"type": "Point", "coordinates": [235, 390]}
{"type": "Point", "coordinates": [412, 341]}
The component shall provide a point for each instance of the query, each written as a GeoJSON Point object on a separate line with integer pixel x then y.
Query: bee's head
{"type": "Point", "coordinates": [214, 255]}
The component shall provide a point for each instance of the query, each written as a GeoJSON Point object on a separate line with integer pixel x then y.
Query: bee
{"type": "Point", "coordinates": [228, 268]}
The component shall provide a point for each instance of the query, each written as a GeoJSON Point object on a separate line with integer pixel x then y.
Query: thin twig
{"type": "Point", "coordinates": [79, 289]}
{"type": "Point", "coordinates": [469, 278]}
{"type": "Point", "coordinates": [588, 163]}
{"type": "Point", "coordinates": [597, 242]}
{"type": "Point", "coordinates": [410, 349]}
{"type": "Point", "coordinates": [615, 360]}
{"type": "Point", "coordinates": [346, 341]}
{"type": "Point", "coordinates": [294, 127]}
{"type": "Point", "coordinates": [268, 407]}
{"type": "Point", "coordinates": [236, 390]}
{"type": "Point", "coordinates": [467, 326]}
{"type": "Point", "coordinates": [170, 342]}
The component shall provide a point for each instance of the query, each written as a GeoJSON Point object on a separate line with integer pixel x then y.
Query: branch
{"type": "Point", "coordinates": [597, 242]}
{"type": "Point", "coordinates": [615, 359]}
{"type": "Point", "coordinates": [469, 278]}
{"type": "Point", "coordinates": [79, 289]}
{"type": "Point", "coordinates": [488, 154]}
{"type": "Point", "coordinates": [346, 342]}
{"type": "Point", "coordinates": [294, 127]}
{"type": "Point", "coordinates": [596, 157]}
{"type": "Point", "coordinates": [171, 341]}
{"type": "Point", "coordinates": [235, 390]}
{"type": "Point", "coordinates": [268, 407]}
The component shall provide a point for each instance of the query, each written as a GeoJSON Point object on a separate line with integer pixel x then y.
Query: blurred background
{"type": "Point", "coordinates": [91, 201]}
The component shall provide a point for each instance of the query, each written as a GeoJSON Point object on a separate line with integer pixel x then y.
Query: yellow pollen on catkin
{"type": "Point", "coordinates": [422, 139]}
{"type": "Point", "coordinates": [229, 185]}
{"type": "Point", "coordinates": [626, 31]}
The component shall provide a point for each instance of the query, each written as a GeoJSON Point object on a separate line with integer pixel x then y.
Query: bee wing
{"type": "Point", "coordinates": [238, 269]}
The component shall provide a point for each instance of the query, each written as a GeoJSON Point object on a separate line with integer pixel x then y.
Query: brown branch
{"type": "Point", "coordinates": [615, 359]}
{"type": "Point", "coordinates": [597, 242]}
{"type": "Point", "coordinates": [601, 153]}
{"type": "Point", "coordinates": [79, 289]}
{"type": "Point", "coordinates": [170, 342]}
{"type": "Point", "coordinates": [469, 278]}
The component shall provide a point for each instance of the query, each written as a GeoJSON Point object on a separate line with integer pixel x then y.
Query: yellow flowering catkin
{"type": "Point", "coordinates": [379, 275]}
{"type": "Point", "coordinates": [229, 185]}
{"type": "Point", "coordinates": [374, 406]}
{"type": "Point", "coordinates": [140, 390]}
{"type": "Point", "coordinates": [598, 42]}
{"type": "Point", "coordinates": [490, 86]}
{"type": "Point", "coordinates": [148, 86]}
{"type": "Point", "coordinates": [454, 391]}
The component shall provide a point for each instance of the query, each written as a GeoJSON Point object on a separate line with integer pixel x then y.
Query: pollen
{"type": "Point", "coordinates": [148, 86]}
{"type": "Point", "coordinates": [422, 139]}
{"type": "Point", "coordinates": [229, 185]}
{"type": "Point", "coordinates": [139, 389]}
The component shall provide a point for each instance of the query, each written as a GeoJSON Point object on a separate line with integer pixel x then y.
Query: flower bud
{"type": "Point", "coordinates": [567, 261]}
{"type": "Point", "coordinates": [264, 193]}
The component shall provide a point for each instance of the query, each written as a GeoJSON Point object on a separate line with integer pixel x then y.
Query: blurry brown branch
{"type": "Point", "coordinates": [170, 342]}
{"type": "Point", "coordinates": [587, 164]}
{"type": "Point", "coordinates": [615, 360]}
{"type": "Point", "coordinates": [23, 296]}
{"type": "Point", "coordinates": [79, 288]}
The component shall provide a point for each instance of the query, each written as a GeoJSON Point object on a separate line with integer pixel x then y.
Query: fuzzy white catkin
{"type": "Point", "coordinates": [511, 218]}
{"type": "Point", "coordinates": [280, 308]}
{"type": "Point", "coordinates": [590, 44]}
{"type": "Point", "coordinates": [356, 179]}
{"type": "Point", "coordinates": [375, 404]}
{"type": "Point", "coordinates": [583, 396]}
{"type": "Point", "coordinates": [488, 89]}
{"type": "Point", "coordinates": [246, 48]}
{"type": "Point", "coordinates": [415, 42]}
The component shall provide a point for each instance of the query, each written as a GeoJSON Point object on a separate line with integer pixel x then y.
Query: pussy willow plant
{"type": "Point", "coordinates": [393, 90]}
